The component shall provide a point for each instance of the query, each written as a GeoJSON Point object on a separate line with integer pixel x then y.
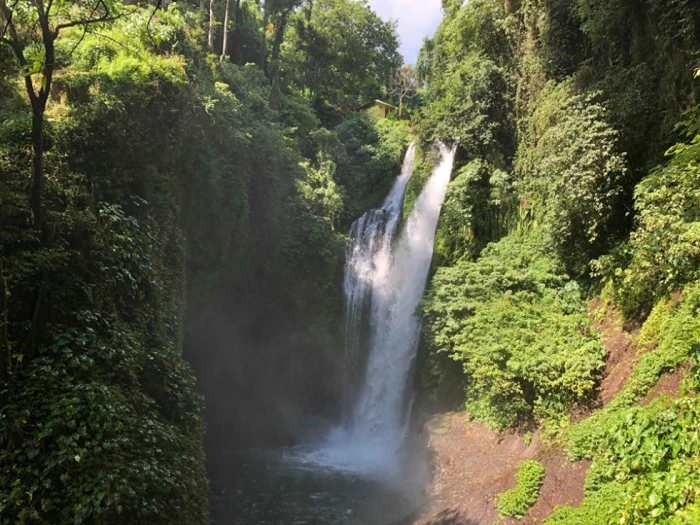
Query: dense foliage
{"type": "Point", "coordinates": [662, 253]}
{"type": "Point", "coordinates": [543, 357]}
{"type": "Point", "coordinates": [571, 173]}
{"type": "Point", "coordinates": [564, 111]}
{"type": "Point", "coordinates": [372, 148]}
{"type": "Point", "coordinates": [645, 470]}
{"type": "Point", "coordinates": [339, 54]}
{"type": "Point", "coordinates": [169, 178]}
{"type": "Point", "coordinates": [516, 502]}
{"type": "Point", "coordinates": [174, 182]}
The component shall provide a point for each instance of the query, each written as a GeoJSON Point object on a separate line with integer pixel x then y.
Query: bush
{"type": "Point", "coordinates": [373, 153]}
{"type": "Point", "coordinates": [516, 502]}
{"type": "Point", "coordinates": [601, 507]}
{"type": "Point", "coordinates": [422, 170]}
{"type": "Point", "coordinates": [543, 357]}
{"type": "Point", "coordinates": [478, 209]}
{"type": "Point", "coordinates": [571, 173]}
{"type": "Point", "coordinates": [674, 327]}
{"type": "Point", "coordinates": [645, 468]}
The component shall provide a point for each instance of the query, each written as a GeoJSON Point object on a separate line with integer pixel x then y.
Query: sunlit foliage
{"type": "Point", "coordinates": [542, 358]}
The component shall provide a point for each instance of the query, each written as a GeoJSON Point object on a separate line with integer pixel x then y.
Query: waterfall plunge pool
{"type": "Point", "coordinates": [368, 470]}
{"type": "Point", "coordinates": [310, 485]}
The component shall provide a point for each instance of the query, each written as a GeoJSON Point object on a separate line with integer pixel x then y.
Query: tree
{"type": "Point", "coordinates": [277, 13]}
{"type": "Point", "coordinates": [340, 52]}
{"type": "Point", "coordinates": [31, 28]}
{"type": "Point", "coordinates": [224, 47]}
{"type": "Point", "coordinates": [403, 85]}
{"type": "Point", "coordinates": [210, 37]}
{"type": "Point", "coordinates": [227, 18]}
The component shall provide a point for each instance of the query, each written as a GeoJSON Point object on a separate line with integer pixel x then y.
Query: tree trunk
{"type": "Point", "coordinates": [210, 40]}
{"type": "Point", "coordinates": [5, 357]}
{"type": "Point", "coordinates": [224, 49]}
{"type": "Point", "coordinates": [39, 101]}
{"type": "Point", "coordinates": [35, 198]}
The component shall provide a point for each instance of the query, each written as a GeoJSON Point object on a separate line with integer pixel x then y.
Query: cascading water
{"type": "Point", "coordinates": [380, 415]}
{"type": "Point", "coordinates": [357, 475]}
{"type": "Point", "coordinates": [367, 260]}
{"type": "Point", "coordinates": [384, 282]}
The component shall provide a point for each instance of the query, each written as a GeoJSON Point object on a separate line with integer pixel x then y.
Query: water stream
{"type": "Point", "coordinates": [363, 471]}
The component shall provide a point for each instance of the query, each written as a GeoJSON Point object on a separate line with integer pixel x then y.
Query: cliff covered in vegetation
{"type": "Point", "coordinates": [577, 177]}
{"type": "Point", "coordinates": [188, 202]}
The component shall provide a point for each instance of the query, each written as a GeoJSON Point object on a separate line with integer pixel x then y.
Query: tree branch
{"type": "Point", "coordinates": [150, 19]}
{"type": "Point", "coordinates": [106, 17]}
{"type": "Point", "coordinates": [9, 18]}
{"type": "Point", "coordinates": [85, 28]}
{"type": "Point", "coordinates": [16, 45]}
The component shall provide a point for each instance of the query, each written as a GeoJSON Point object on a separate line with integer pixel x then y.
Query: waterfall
{"type": "Point", "coordinates": [397, 285]}
{"type": "Point", "coordinates": [385, 278]}
{"type": "Point", "coordinates": [366, 262]}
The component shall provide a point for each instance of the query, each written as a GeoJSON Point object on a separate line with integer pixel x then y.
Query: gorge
{"type": "Point", "coordinates": [248, 275]}
{"type": "Point", "coordinates": [367, 468]}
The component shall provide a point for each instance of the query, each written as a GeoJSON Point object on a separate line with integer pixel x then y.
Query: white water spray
{"type": "Point", "coordinates": [367, 259]}
{"type": "Point", "coordinates": [381, 413]}
{"type": "Point", "coordinates": [384, 284]}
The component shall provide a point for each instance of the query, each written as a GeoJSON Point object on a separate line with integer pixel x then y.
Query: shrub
{"type": "Point", "coordinates": [421, 173]}
{"type": "Point", "coordinates": [540, 360]}
{"type": "Point", "coordinates": [477, 210]}
{"type": "Point", "coordinates": [571, 172]}
{"type": "Point", "coordinates": [373, 153]}
{"type": "Point", "coordinates": [645, 468]}
{"type": "Point", "coordinates": [675, 327]}
{"type": "Point", "coordinates": [516, 502]}
{"type": "Point", "coordinates": [601, 507]}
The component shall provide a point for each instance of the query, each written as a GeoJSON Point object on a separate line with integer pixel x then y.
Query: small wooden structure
{"type": "Point", "coordinates": [385, 109]}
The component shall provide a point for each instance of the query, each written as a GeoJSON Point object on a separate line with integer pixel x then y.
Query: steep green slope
{"type": "Point", "coordinates": [562, 110]}
{"type": "Point", "coordinates": [178, 187]}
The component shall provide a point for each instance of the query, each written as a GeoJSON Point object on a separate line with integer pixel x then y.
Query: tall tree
{"type": "Point", "coordinates": [224, 47]}
{"type": "Point", "coordinates": [340, 52]}
{"type": "Point", "coordinates": [277, 12]}
{"type": "Point", "coordinates": [210, 37]}
{"type": "Point", "coordinates": [403, 85]}
{"type": "Point", "coordinates": [31, 28]}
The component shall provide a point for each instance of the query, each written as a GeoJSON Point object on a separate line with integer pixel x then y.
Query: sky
{"type": "Point", "coordinates": [417, 19]}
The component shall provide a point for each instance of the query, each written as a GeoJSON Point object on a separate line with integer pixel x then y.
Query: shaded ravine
{"type": "Point", "coordinates": [364, 470]}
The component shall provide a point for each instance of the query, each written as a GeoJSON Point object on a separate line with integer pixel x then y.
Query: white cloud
{"type": "Point", "coordinates": [417, 19]}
